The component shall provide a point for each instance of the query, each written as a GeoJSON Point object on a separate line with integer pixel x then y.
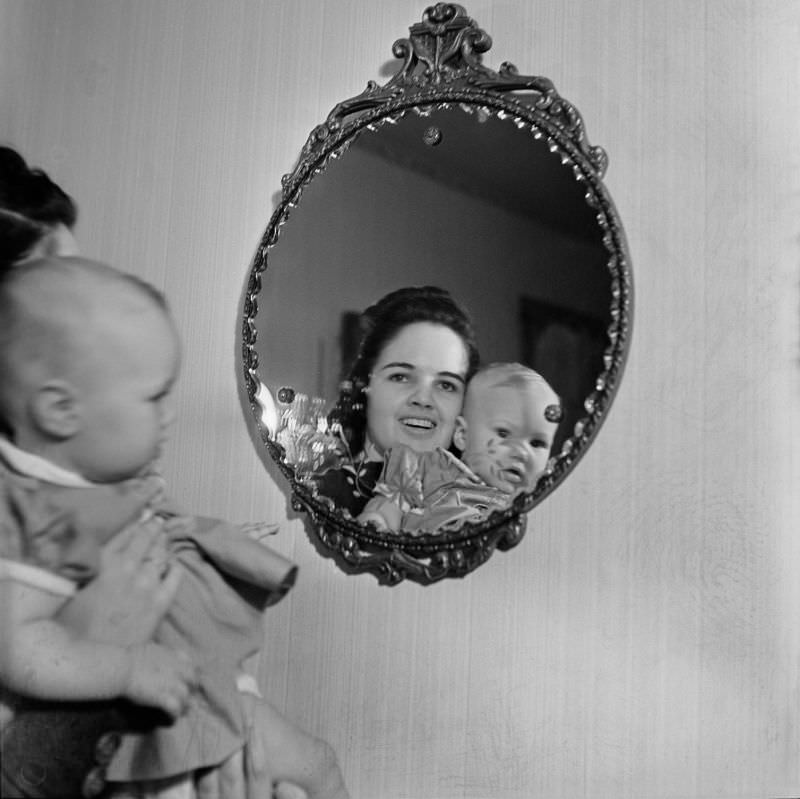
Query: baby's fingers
{"type": "Point", "coordinates": [174, 699]}
{"type": "Point", "coordinates": [161, 677]}
{"type": "Point", "coordinates": [174, 703]}
{"type": "Point", "coordinates": [152, 560]}
{"type": "Point", "coordinates": [258, 531]}
{"type": "Point", "coordinates": [168, 586]}
{"type": "Point", "coordinates": [178, 526]}
{"type": "Point", "coordinates": [133, 543]}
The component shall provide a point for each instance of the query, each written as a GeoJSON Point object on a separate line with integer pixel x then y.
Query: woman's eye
{"type": "Point", "coordinates": [448, 385]}
{"type": "Point", "coordinates": [398, 377]}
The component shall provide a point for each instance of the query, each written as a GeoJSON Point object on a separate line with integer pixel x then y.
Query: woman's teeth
{"type": "Point", "coordinates": [427, 424]}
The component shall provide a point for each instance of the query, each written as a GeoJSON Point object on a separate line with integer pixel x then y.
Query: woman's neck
{"type": "Point", "coordinates": [370, 452]}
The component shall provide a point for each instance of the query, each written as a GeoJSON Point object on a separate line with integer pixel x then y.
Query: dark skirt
{"type": "Point", "coordinates": [59, 750]}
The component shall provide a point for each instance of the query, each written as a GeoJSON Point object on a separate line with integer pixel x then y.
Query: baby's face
{"type": "Point", "coordinates": [507, 439]}
{"type": "Point", "coordinates": [126, 403]}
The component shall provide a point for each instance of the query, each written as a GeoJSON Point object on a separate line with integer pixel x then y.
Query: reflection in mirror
{"type": "Point", "coordinates": [489, 213]}
{"type": "Point", "coordinates": [481, 183]}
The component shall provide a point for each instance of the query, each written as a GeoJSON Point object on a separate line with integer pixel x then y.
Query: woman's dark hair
{"type": "Point", "coordinates": [30, 205]}
{"type": "Point", "coordinates": [380, 324]}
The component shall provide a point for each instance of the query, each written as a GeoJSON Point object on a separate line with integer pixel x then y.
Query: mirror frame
{"type": "Point", "coordinates": [442, 69]}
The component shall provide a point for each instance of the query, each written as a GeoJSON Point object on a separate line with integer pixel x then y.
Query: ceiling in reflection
{"type": "Point", "coordinates": [531, 182]}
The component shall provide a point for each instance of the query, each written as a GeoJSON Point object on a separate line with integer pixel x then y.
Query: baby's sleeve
{"type": "Point", "coordinates": [16, 566]}
{"type": "Point", "coordinates": [12, 571]}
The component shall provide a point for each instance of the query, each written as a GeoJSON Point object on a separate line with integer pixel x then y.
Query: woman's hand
{"type": "Point", "coordinates": [245, 775]}
{"type": "Point", "coordinates": [135, 585]}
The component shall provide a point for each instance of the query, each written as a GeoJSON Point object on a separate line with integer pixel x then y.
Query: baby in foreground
{"type": "Point", "coordinates": [89, 356]}
{"type": "Point", "coordinates": [505, 434]}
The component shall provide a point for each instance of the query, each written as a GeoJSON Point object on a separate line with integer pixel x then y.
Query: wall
{"type": "Point", "coordinates": [642, 641]}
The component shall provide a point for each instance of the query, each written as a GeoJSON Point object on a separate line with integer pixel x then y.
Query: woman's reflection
{"type": "Point", "coordinates": [406, 387]}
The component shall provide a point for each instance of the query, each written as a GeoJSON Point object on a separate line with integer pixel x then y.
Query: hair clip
{"type": "Point", "coordinates": [286, 395]}
{"type": "Point", "coordinates": [553, 413]}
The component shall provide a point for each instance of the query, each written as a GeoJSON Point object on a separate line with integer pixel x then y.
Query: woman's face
{"type": "Point", "coordinates": [416, 389]}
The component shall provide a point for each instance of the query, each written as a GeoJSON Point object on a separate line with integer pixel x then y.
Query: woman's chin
{"type": "Point", "coordinates": [420, 443]}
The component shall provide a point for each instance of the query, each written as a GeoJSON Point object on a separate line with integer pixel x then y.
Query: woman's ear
{"type": "Point", "coordinates": [56, 410]}
{"type": "Point", "coordinates": [460, 433]}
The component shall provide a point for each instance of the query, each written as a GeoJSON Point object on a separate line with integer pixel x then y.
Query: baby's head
{"type": "Point", "coordinates": [88, 357]}
{"type": "Point", "coordinates": [506, 429]}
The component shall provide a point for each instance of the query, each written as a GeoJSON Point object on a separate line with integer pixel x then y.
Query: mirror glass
{"type": "Point", "coordinates": [479, 195]}
{"type": "Point", "coordinates": [488, 213]}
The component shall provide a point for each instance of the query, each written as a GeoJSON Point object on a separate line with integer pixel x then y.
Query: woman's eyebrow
{"type": "Point", "coordinates": [396, 365]}
{"type": "Point", "coordinates": [455, 376]}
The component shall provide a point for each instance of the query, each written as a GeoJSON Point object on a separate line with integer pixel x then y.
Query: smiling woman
{"type": "Point", "coordinates": [415, 390]}
{"type": "Point", "coordinates": [406, 386]}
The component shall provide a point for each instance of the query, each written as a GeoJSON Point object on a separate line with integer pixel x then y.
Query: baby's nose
{"type": "Point", "coordinates": [520, 450]}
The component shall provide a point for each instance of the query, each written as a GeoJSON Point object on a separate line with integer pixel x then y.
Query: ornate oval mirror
{"type": "Point", "coordinates": [451, 174]}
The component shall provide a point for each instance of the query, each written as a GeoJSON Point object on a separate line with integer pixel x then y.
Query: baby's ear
{"type": "Point", "coordinates": [460, 433]}
{"type": "Point", "coordinates": [55, 409]}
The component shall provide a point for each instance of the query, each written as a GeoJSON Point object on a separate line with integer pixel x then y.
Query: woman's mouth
{"type": "Point", "coordinates": [418, 423]}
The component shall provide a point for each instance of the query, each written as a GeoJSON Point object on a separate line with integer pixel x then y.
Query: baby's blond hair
{"type": "Point", "coordinates": [505, 375]}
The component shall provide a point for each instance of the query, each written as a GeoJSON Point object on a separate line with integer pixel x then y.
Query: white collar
{"type": "Point", "coordinates": [35, 466]}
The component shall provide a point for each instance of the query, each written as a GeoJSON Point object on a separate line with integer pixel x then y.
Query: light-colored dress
{"type": "Point", "coordinates": [52, 528]}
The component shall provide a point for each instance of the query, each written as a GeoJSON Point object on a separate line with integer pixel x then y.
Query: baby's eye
{"type": "Point", "coordinates": [502, 432]}
{"type": "Point", "coordinates": [539, 443]}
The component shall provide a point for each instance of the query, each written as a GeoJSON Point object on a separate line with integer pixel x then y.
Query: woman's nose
{"type": "Point", "coordinates": [422, 396]}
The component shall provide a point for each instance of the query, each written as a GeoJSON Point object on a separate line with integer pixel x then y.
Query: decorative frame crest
{"type": "Point", "coordinates": [442, 68]}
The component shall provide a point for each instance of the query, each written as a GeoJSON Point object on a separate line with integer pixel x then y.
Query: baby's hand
{"type": "Point", "coordinates": [160, 677]}
{"type": "Point", "coordinates": [259, 531]}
